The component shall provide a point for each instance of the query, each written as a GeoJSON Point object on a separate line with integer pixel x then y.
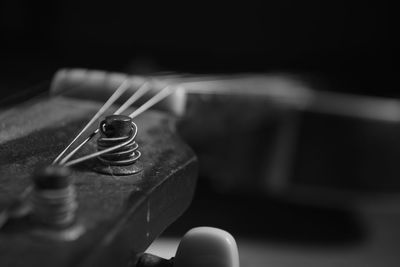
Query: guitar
{"type": "Point", "coordinates": [116, 215]}
{"type": "Point", "coordinates": [106, 204]}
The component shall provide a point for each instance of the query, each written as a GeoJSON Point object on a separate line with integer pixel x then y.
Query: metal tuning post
{"type": "Point", "coordinates": [118, 133]}
{"type": "Point", "coordinates": [54, 204]}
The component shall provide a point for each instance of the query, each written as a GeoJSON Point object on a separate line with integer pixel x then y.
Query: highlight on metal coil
{"type": "Point", "coordinates": [125, 155]}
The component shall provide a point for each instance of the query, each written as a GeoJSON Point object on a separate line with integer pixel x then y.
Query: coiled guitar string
{"type": "Point", "coordinates": [20, 208]}
{"type": "Point", "coordinates": [143, 89]}
{"type": "Point", "coordinates": [127, 155]}
{"type": "Point", "coordinates": [118, 92]}
{"type": "Point", "coordinates": [162, 94]}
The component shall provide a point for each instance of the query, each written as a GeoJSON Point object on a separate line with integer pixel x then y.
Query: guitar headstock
{"type": "Point", "coordinates": [118, 213]}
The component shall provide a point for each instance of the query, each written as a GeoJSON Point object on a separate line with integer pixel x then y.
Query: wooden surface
{"type": "Point", "coordinates": [121, 215]}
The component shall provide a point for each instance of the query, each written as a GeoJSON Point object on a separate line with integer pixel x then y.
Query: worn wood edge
{"type": "Point", "coordinates": [106, 247]}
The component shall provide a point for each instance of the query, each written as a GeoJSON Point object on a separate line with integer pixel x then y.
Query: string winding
{"type": "Point", "coordinates": [118, 92]}
{"type": "Point", "coordinates": [141, 91]}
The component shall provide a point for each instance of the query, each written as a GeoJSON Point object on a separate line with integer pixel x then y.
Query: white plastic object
{"type": "Point", "coordinates": [207, 247]}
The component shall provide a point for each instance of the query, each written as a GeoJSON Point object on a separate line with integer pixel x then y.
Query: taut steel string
{"type": "Point", "coordinates": [118, 92]}
{"type": "Point", "coordinates": [162, 94]}
{"type": "Point", "coordinates": [143, 89]}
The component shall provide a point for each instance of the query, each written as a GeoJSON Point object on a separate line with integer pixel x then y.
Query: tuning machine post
{"type": "Point", "coordinates": [54, 203]}
{"type": "Point", "coordinates": [118, 131]}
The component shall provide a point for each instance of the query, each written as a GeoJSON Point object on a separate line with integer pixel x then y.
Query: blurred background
{"type": "Point", "coordinates": [295, 188]}
{"type": "Point", "coordinates": [346, 41]}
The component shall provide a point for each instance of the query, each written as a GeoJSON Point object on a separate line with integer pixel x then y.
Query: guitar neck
{"type": "Point", "coordinates": [279, 90]}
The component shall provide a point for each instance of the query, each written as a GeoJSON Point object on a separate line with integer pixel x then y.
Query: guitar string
{"type": "Point", "coordinates": [18, 207]}
{"type": "Point", "coordinates": [162, 94]}
{"type": "Point", "coordinates": [143, 89]}
{"type": "Point", "coordinates": [99, 153]}
{"type": "Point", "coordinates": [139, 93]}
{"type": "Point", "coordinates": [6, 213]}
{"type": "Point", "coordinates": [118, 92]}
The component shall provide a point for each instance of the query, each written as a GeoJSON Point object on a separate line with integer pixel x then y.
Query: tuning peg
{"type": "Point", "coordinates": [200, 247]}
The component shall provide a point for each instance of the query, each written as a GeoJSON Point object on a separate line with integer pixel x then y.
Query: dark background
{"type": "Point", "coordinates": [348, 44]}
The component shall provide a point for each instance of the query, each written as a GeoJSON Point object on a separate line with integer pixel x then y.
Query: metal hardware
{"type": "Point", "coordinates": [117, 130]}
{"type": "Point", "coordinates": [54, 204]}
